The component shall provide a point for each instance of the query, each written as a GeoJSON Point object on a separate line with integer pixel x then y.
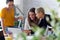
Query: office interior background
{"type": "Point", "coordinates": [25, 5]}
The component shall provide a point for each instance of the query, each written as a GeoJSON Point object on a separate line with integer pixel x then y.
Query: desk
{"type": "Point", "coordinates": [15, 32]}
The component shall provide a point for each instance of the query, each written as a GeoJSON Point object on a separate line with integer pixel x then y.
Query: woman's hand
{"type": "Point", "coordinates": [21, 18]}
{"type": "Point", "coordinates": [27, 32]}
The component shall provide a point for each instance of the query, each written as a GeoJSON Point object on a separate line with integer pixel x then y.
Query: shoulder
{"type": "Point", "coordinates": [3, 9]}
{"type": "Point", "coordinates": [47, 15]}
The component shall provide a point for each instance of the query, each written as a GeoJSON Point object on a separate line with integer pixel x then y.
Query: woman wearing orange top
{"type": "Point", "coordinates": [7, 16]}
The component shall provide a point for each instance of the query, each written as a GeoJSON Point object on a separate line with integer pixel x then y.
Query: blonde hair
{"type": "Point", "coordinates": [40, 9]}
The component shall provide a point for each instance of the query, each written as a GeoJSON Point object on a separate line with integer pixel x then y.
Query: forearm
{"type": "Point", "coordinates": [2, 24]}
{"type": "Point", "coordinates": [20, 17]}
{"type": "Point", "coordinates": [16, 19]}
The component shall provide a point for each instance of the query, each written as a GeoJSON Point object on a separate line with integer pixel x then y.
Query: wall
{"type": "Point", "coordinates": [19, 3]}
{"type": "Point", "coordinates": [2, 4]}
{"type": "Point", "coordinates": [25, 5]}
{"type": "Point", "coordinates": [52, 4]}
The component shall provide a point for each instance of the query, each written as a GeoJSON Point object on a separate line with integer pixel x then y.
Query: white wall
{"type": "Point", "coordinates": [52, 4]}
{"type": "Point", "coordinates": [19, 3]}
{"type": "Point", "coordinates": [2, 4]}
{"type": "Point", "coordinates": [25, 5]}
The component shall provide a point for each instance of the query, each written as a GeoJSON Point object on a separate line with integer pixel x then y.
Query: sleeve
{"type": "Point", "coordinates": [49, 16]}
{"type": "Point", "coordinates": [2, 13]}
{"type": "Point", "coordinates": [49, 24]}
{"type": "Point", "coordinates": [26, 26]}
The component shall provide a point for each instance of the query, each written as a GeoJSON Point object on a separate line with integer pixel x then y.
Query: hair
{"type": "Point", "coordinates": [40, 9]}
{"type": "Point", "coordinates": [29, 19]}
{"type": "Point", "coordinates": [9, 1]}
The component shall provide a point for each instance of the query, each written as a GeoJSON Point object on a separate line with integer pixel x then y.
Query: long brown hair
{"type": "Point", "coordinates": [29, 19]}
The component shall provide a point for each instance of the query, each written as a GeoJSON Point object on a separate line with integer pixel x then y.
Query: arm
{"type": "Point", "coordinates": [2, 24]}
{"type": "Point", "coordinates": [2, 19]}
{"type": "Point", "coordinates": [27, 27]}
{"type": "Point", "coordinates": [21, 18]}
{"type": "Point", "coordinates": [48, 22]}
{"type": "Point", "coordinates": [49, 16]}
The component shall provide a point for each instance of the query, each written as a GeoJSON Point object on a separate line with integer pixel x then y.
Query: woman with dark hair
{"type": "Point", "coordinates": [31, 19]}
{"type": "Point", "coordinates": [32, 16]}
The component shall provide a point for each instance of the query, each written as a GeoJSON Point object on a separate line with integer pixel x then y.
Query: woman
{"type": "Point", "coordinates": [43, 18]}
{"type": "Point", "coordinates": [30, 19]}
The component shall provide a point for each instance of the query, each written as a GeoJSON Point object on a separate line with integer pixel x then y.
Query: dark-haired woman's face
{"type": "Point", "coordinates": [32, 15]}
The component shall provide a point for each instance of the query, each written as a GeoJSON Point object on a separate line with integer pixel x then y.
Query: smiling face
{"type": "Point", "coordinates": [39, 15]}
{"type": "Point", "coordinates": [32, 15]}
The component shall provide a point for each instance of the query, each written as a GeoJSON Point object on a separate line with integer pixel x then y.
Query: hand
{"type": "Point", "coordinates": [21, 18]}
{"type": "Point", "coordinates": [4, 33]}
{"type": "Point", "coordinates": [27, 31]}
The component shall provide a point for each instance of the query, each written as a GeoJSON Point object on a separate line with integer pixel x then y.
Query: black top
{"type": "Point", "coordinates": [44, 23]}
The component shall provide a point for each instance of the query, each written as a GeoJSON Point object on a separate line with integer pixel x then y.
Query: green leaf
{"type": "Point", "coordinates": [58, 0]}
{"type": "Point", "coordinates": [23, 35]}
{"type": "Point", "coordinates": [35, 38]}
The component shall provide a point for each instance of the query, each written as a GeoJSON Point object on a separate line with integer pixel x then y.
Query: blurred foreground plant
{"type": "Point", "coordinates": [56, 24]}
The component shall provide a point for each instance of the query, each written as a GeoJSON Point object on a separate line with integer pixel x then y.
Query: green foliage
{"type": "Point", "coordinates": [35, 38]}
{"type": "Point", "coordinates": [58, 0]}
{"type": "Point", "coordinates": [18, 35]}
{"type": "Point", "coordinates": [16, 23]}
{"type": "Point", "coordinates": [38, 33]}
{"type": "Point", "coordinates": [56, 24]}
{"type": "Point", "coordinates": [23, 35]}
